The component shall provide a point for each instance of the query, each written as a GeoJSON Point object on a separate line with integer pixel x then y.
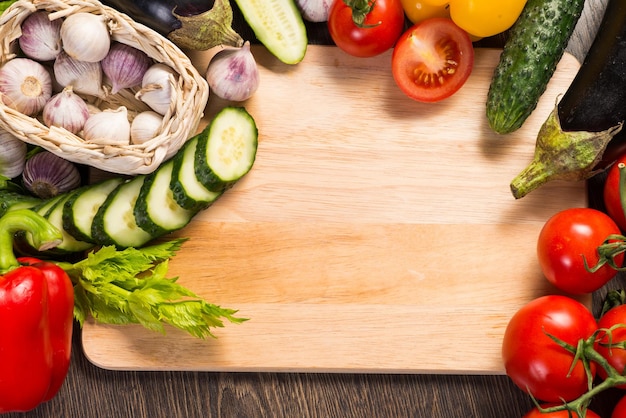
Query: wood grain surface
{"type": "Point", "coordinates": [370, 228]}
{"type": "Point", "coordinates": [93, 392]}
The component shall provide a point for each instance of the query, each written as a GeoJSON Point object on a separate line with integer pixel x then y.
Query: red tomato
{"type": "Point", "coordinates": [616, 356]}
{"type": "Point", "coordinates": [432, 60]}
{"type": "Point", "coordinates": [620, 409]}
{"type": "Point", "coordinates": [383, 22]}
{"type": "Point", "coordinates": [565, 239]}
{"type": "Point", "coordinates": [536, 363]}
{"type": "Point", "coordinates": [535, 413]}
{"type": "Point", "coordinates": [612, 200]}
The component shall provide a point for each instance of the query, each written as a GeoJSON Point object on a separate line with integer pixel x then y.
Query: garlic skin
{"type": "Point", "coordinates": [12, 155]}
{"type": "Point", "coordinates": [25, 85]}
{"type": "Point", "coordinates": [66, 110]}
{"type": "Point", "coordinates": [233, 74]}
{"type": "Point", "coordinates": [109, 127]}
{"type": "Point", "coordinates": [145, 127]}
{"type": "Point", "coordinates": [85, 36]}
{"type": "Point", "coordinates": [125, 66]}
{"type": "Point", "coordinates": [314, 10]}
{"type": "Point", "coordinates": [41, 37]}
{"type": "Point", "coordinates": [47, 175]}
{"type": "Point", "coordinates": [157, 89]}
{"type": "Point", "coordinates": [84, 77]}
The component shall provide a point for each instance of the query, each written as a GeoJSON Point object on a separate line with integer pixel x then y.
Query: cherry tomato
{"type": "Point", "coordinates": [615, 355]}
{"type": "Point", "coordinates": [484, 18]}
{"type": "Point", "coordinates": [535, 413]}
{"type": "Point", "coordinates": [382, 22]}
{"type": "Point", "coordinates": [432, 60]}
{"type": "Point", "coordinates": [566, 240]}
{"type": "Point", "coordinates": [611, 194]}
{"type": "Point", "coordinates": [536, 363]}
{"type": "Point", "coordinates": [620, 409]}
{"type": "Point", "coordinates": [418, 10]}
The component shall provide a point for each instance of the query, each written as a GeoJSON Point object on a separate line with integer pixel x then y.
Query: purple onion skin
{"type": "Point", "coordinates": [47, 175]}
{"type": "Point", "coordinates": [125, 66]}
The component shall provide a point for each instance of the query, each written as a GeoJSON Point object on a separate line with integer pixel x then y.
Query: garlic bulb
{"type": "Point", "coordinates": [109, 127]}
{"type": "Point", "coordinates": [12, 155]}
{"type": "Point", "coordinates": [25, 85]}
{"type": "Point", "coordinates": [47, 175]}
{"type": "Point", "coordinates": [157, 89]}
{"type": "Point", "coordinates": [125, 66]}
{"type": "Point", "coordinates": [85, 36]}
{"type": "Point", "coordinates": [84, 77]}
{"type": "Point", "coordinates": [233, 74]}
{"type": "Point", "coordinates": [145, 127]}
{"type": "Point", "coordinates": [41, 37]}
{"type": "Point", "coordinates": [314, 10]}
{"type": "Point", "coordinates": [66, 110]}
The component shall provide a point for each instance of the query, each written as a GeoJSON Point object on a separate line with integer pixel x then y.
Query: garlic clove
{"type": "Point", "coordinates": [233, 74]}
{"type": "Point", "coordinates": [125, 66]}
{"type": "Point", "coordinates": [157, 88]}
{"type": "Point", "coordinates": [85, 36]}
{"type": "Point", "coordinates": [66, 110]}
{"type": "Point", "coordinates": [109, 127]}
{"type": "Point", "coordinates": [47, 175]}
{"type": "Point", "coordinates": [41, 37]}
{"type": "Point", "coordinates": [12, 155]}
{"type": "Point", "coordinates": [315, 10]}
{"type": "Point", "coordinates": [25, 85]}
{"type": "Point", "coordinates": [84, 77]}
{"type": "Point", "coordinates": [145, 127]}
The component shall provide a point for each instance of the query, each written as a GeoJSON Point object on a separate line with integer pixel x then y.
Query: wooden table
{"type": "Point", "coordinates": [92, 392]}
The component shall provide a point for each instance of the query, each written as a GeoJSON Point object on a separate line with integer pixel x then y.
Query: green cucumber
{"type": "Point", "coordinates": [226, 149]}
{"type": "Point", "coordinates": [81, 208]}
{"type": "Point", "coordinates": [278, 25]}
{"type": "Point", "coordinates": [55, 217]}
{"type": "Point", "coordinates": [156, 211]}
{"type": "Point", "coordinates": [535, 45]}
{"type": "Point", "coordinates": [188, 191]}
{"type": "Point", "coordinates": [114, 223]}
{"type": "Point", "coordinates": [46, 206]}
{"type": "Point", "coordinates": [10, 200]}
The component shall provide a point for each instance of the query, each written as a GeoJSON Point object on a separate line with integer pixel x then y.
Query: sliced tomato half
{"type": "Point", "coordinates": [432, 60]}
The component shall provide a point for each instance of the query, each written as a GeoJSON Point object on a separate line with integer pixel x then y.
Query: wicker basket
{"type": "Point", "coordinates": [179, 123]}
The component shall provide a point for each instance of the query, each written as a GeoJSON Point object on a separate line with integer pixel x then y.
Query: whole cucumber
{"type": "Point", "coordinates": [535, 45]}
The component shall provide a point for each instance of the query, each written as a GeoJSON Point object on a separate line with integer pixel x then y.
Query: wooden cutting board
{"type": "Point", "coordinates": [373, 234]}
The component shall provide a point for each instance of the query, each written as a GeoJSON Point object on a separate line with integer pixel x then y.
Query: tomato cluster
{"type": "Point", "coordinates": [434, 57]}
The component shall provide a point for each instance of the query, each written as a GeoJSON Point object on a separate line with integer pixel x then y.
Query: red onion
{"type": "Point", "coordinates": [47, 175]}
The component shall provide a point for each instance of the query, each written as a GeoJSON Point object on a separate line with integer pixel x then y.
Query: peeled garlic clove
{"type": "Point", "coordinates": [233, 74]}
{"type": "Point", "coordinates": [47, 175]}
{"type": "Point", "coordinates": [41, 37]}
{"type": "Point", "coordinates": [109, 127]}
{"type": "Point", "coordinates": [85, 36]}
{"type": "Point", "coordinates": [25, 85]}
{"type": "Point", "coordinates": [157, 88]}
{"type": "Point", "coordinates": [66, 110]}
{"type": "Point", "coordinates": [12, 155]}
{"type": "Point", "coordinates": [84, 77]}
{"type": "Point", "coordinates": [145, 127]}
{"type": "Point", "coordinates": [125, 66]}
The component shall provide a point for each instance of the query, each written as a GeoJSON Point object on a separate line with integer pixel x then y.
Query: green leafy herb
{"type": "Point", "coordinates": [130, 286]}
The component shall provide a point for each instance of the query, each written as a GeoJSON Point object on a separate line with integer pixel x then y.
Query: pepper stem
{"type": "Point", "coordinates": [44, 235]}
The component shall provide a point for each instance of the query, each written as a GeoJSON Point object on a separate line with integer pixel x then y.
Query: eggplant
{"type": "Point", "coordinates": [583, 135]}
{"type": "Point", "coordinates": [190, 24]}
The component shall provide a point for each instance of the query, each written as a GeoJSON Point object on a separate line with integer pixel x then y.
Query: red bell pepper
{"type": "Point", "coordinates": [36, 316]}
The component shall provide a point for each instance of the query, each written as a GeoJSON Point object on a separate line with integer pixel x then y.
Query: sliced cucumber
{"type": "Point", "coordinates": [81, 208]}
{"type": "Point", "coordinates": [114, 223]}
{"type": "Point", "coordinates": [188, 191]}
{"type": "Point", "coordinates": [156, 210]}
{"type": "Point", "coordinates": [55, 217]}
{"type": "Point", "coordinates": [226, 150]}
{"type": "Point", "coordinates": [46, 206]}
{"type": "Point", "coordinates": [278, 25]}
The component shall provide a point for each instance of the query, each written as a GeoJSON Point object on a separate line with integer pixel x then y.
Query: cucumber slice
{"type": "Point", "coordinates": [114, 223]}
{"type": "Point", "coordinates": [46, 206]}
{"type": "Point", "coordinates": [82, 206]}
{"type": "Point", "coordinates": [189, 193]}
{"type": "Point", "coordinates": [278, 25]}
{"type": "Point", "coordinates": [55, 217]}
{"type": "Point", "coordinates": [156, 210]}
{"type": "Point", "coordinates": [227, 149]}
